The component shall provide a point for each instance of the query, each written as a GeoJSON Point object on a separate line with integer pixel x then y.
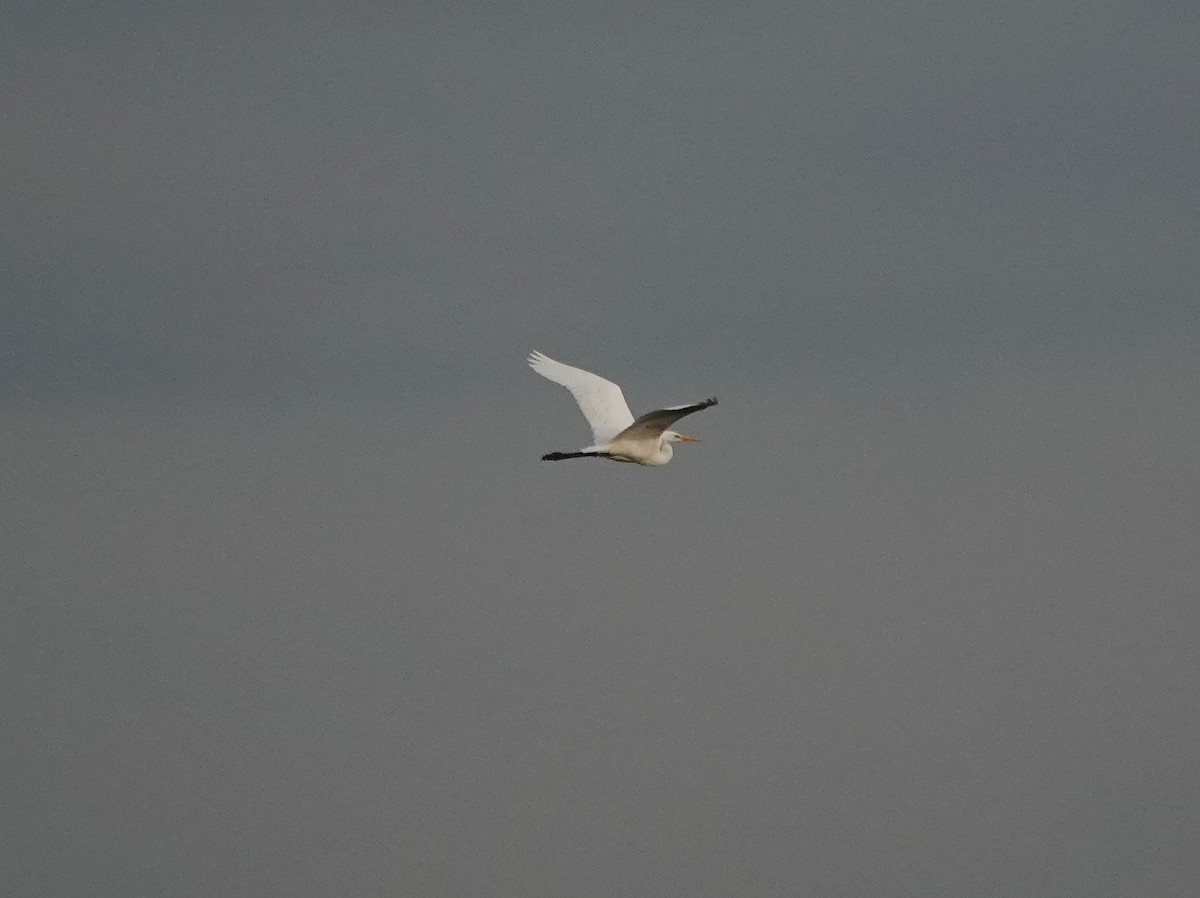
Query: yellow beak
{"type": "Point", "coordinates": [688, 439]}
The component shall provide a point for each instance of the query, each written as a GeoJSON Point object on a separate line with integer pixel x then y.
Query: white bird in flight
{"type": "Point", "coordinates": [617, 435]}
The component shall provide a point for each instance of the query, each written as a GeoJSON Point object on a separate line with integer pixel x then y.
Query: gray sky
{"type": "Point", "coordinates": [293, 606]}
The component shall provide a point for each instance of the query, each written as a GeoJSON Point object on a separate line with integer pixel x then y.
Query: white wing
{"type": "Point", "coordinates": [600, 400]}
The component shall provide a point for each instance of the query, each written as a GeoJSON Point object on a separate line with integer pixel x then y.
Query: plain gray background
{"type": "Point", "coordinates": [291, 606]}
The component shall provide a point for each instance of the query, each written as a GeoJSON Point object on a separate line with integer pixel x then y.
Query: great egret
{"type": "Point", "coordinates": [617, 435]}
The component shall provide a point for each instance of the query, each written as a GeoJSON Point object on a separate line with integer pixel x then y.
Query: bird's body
{"type": "Point", "coordinates": [617, 435]}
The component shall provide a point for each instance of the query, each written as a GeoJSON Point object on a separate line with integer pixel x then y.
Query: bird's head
{"type": "Point", "coordinates": [671, 436]}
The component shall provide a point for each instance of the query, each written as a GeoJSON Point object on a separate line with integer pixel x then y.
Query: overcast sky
{"type": "Point", "coordinates": [293, 608]}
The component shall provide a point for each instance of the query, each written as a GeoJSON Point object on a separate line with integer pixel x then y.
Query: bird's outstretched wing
{"type": "Point", "coordinates": [652, 424]}
{"type": "Point", "coordinates": [600, 400]}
